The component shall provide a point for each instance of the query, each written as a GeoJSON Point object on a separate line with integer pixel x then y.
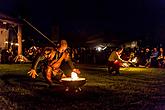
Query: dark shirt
{"type": "Point", "coordinates": [44, 58]}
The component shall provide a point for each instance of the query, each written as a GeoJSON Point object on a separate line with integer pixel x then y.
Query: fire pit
{"type": "Point", "coordinates": [73, 82]}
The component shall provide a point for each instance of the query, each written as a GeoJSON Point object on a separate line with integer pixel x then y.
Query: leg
{"type": "Point", "coordinates": [110, 67]}
{"type": "Point", "coordinates": [117, 68]}
{"type": "Point", "coordinates": [48, 75]}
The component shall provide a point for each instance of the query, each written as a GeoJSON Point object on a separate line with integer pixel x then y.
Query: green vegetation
{"type": "Point", "coordinates": [134, 89]}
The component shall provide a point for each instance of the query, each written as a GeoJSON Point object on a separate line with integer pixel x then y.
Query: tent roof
{"type": "Point", "coordinates": [8, 19]}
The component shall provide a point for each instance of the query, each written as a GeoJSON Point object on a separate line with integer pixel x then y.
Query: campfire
{"type": "Point", "coordinates": [132, 62]}
{"type": "Point", "coordinates": [73, 82]}
{"type": "Point", "coordinates": [74, 76]}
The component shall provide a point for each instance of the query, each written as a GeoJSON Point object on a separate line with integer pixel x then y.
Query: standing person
{"type": "Point", "coordinates": [75, 55]}
{"type": "Point", "coordinates": [154, 57]}
{"type": "Point", "coordinates": [50, 61]}
{"type": "Point", "coordinates": [147, 56]}
{"type": "Point", "coordinates": [114, 61]}
{"type": "Point", "coordinates": [161, 57]}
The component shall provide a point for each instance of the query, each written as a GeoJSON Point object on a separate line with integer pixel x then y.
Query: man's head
{"type": "Point", "coordinates": [161, 49]}
{"type": "Point", "coordinates": [154, 49]}
{"type": "Point", "coordinates": [147, 49]}
{"type": "Point", "coordinates": [63, 46]}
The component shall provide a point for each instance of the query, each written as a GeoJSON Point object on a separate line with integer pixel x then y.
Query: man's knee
{"type": "Point", "coordinates": [48, 74]}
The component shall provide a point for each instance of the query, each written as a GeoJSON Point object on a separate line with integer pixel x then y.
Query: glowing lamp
{"type": "Point", "coordinates": [6, 42]}
{"type": "Point", "coordinates": [16, 44]}
{"type": "Point", "coordinates": [99, 48]}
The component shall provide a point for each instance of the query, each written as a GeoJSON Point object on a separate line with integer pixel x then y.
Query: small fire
{"type": "Point", "coordinates": [134, 60]}
{"type": "Point", "coordinates": [74, 76]}
{"type": "Point", "coordinates": [125, 65]}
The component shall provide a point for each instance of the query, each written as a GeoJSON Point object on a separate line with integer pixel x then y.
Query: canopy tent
{"type": "Point", "coordinates": [5, 23]}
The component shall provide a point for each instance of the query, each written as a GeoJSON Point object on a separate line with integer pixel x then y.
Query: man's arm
{"type": "Point", "coordinates": [70, 63]}
{"type": "Point", "coordinates": [32, 71]}
{"type": "Point", "coordinates": [36, 61]}
{"type": "Point", "coordinates": [120, 59]}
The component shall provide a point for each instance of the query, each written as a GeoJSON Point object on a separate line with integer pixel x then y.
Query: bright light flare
{"type": "Point", "coordinates": [125, 65]}
{"type": "Point", "coordinates": [99, 48]}
{"type": "Point", "coordinates": [6, 42]}
{"type": "Point", "coordinates": [16, 44]}
{"type": "Point", "coordinates": [4, 22]}
{"type": "Point", "coordinates": [104, 48]}
{"type": "Point", "coordinates": [34, 47]}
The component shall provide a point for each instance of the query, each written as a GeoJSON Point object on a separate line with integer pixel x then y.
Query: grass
{"type": "Point", "coordinates": [135, 89]}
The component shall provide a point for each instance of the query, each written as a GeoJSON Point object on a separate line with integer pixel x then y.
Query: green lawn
{"type": "Point", "coordinates": [135, 89]}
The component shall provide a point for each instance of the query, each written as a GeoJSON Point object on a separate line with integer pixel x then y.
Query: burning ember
{"type": "Point", "coordinates": [74, 76]}
{"type": "Point", "coordinates": [125, 65]}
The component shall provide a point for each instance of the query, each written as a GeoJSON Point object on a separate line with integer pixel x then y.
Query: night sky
{"type": "Point", "coordinates": [124, 19]}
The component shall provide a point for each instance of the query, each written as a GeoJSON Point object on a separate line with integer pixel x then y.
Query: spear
{"type": "Point", "coordinates": [39, 31]}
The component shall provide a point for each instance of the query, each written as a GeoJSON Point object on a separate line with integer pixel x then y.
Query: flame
{"type": "Point", "coordinates": [125, 65]}
{"type": "Point", "coordinates": [74, 76]}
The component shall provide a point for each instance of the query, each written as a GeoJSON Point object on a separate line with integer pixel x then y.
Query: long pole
{"type": "Point", "coordinates": [19, 36]}
{"type": "Point", "coordinates": [39, 31]}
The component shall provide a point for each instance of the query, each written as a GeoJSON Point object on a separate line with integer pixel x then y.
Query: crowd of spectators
{"type": "Point", "coordinates": [146, 57]}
